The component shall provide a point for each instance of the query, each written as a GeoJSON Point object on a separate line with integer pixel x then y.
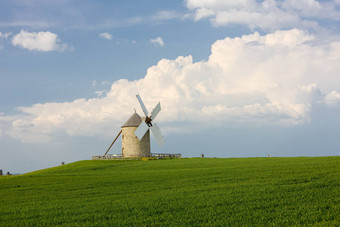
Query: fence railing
{"type": "Point", "coordinates": [118, 156]}
{"type": "Point", "coordinates": [107, 157]}
{"type": "Point", "coordinates": [166, 155]}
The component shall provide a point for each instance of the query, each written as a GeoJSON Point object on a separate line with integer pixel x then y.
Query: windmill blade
{"type": "Point", "coordinates": [142, 105]}
{"type": "Point", "coordinates": [158, 135]}
{"type": "Point", "coordinates": [141, 130]}
{"type": "Point", "coordinates": [155, 111]}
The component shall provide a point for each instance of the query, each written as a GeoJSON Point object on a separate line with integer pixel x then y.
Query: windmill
{"type": "Point", "coordinates": [136, 134]}
{"type": "Point", "coordinates": [148, 124]}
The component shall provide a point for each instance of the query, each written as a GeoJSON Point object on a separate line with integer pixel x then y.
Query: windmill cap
{"type": "Point", "coordinates": [134, 121]}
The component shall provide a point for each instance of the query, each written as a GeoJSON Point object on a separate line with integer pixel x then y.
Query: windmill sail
{"type": "Point", "coordinates": [141, 130]}
{"type": "Point", "coordinates": [155, 111]}
{"type": "Point", "coordinates": [145, 125]}
{"type": "Point", "coordinates": [158, 135]}
{"type": "Point", "coordinates": [142, 105]}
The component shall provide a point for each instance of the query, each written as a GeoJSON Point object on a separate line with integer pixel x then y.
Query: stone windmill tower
{"type": "Point", "coordinates": [131, 145]}
{"type": "Point", "coordinates": [136, 133]}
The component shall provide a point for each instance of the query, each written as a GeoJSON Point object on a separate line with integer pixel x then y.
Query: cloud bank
{"type": "Point", "coordinates": [267, 14]}
{"type": "Point", "coordinates": [40, 41]}
{"type": "Point", "coordinates": [263, 79]}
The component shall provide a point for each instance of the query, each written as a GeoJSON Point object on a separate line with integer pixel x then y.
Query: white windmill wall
{"type": "Point", "coordinates": [131, 145]}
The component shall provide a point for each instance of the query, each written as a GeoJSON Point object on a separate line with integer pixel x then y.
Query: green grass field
{"type": "Point", "coordinates": [209, 192]}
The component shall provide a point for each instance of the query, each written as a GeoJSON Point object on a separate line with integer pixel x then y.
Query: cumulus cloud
{"type": "Point", "coordinates": [105, 35]}
{"type": "Point", "coordinates": [157, 41]}
{"type": "Point", "coordinates": [40, 41]}
{"type": "Point", "coordinates": [267, 14]}
{"type": "Point", "coordinates": [262, 79]}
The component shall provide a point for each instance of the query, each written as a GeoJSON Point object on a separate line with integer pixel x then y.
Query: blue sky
{"type": "Point", "coordinates": [235, 79]}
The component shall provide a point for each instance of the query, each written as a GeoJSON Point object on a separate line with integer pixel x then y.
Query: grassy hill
{"type": "Point", "coordinates": [247, 191]}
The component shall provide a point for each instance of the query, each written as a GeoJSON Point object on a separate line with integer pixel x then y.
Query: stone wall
{"type": "Point", "coordinates": [132, 147]}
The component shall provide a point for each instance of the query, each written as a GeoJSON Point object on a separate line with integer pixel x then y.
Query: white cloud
{"type": "Point", "coordinates": [5, 35]}
{"type": "Point", "coordinates": [262, 79]}
{"type": "Point", "coordinates": [99, 93]}
{"type": "Point", "coordinates": [105, 82]}
{"type": "Point", "coordinates": [157, 41]}
{"type": "Point", "coordinates": [333, 98]}
{"type": "Point", "coordinates": [40, 41]}
{"type": "Point", "coordinates": [105, 35]}
{"type": "Point", "coordinates": [164, 15]}
{"type": "Point", "coordinates": [267, 14]}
